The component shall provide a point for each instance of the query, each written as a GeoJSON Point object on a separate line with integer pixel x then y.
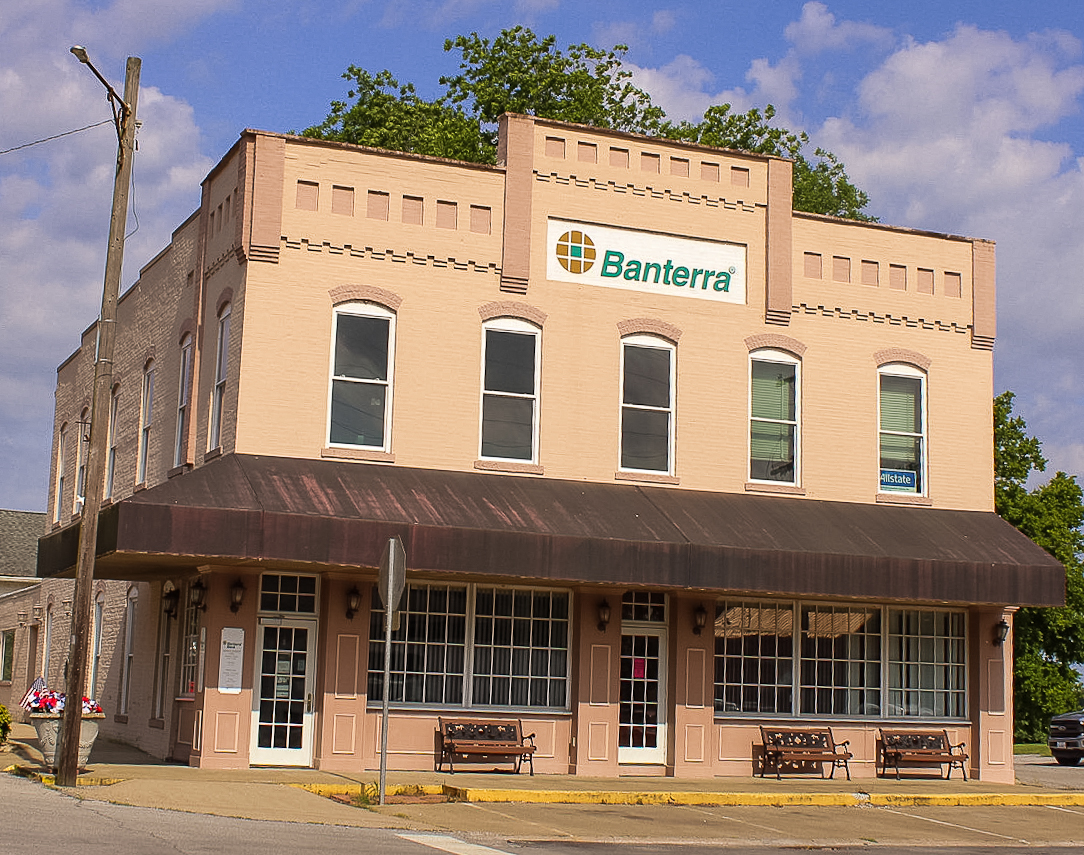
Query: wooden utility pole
{"type": "Point", "coordinates": [124, 114]}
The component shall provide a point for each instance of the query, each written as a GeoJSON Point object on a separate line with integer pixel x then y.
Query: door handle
{"type": "Point", "coordinates": [308, 703]}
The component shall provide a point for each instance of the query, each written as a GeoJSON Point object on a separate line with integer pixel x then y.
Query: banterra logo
{"type": "Point", "coordinates": [577, 254]}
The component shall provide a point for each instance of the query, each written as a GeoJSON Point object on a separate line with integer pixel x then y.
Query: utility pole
{"type": "Point", "coordinates": [124, 116]}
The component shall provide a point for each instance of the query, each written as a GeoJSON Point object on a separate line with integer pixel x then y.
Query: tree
{"type": "Point", "coordinates": [519, 73]}
{"type": "Point", "coordinates": [1047, 642]}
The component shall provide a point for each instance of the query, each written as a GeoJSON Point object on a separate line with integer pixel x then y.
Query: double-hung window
{"type": "Point", "coordinates": [510, 381]}
{"type": "Point", "coordinates": [82, 426]}
{"type": "Point", "coordinates": [902, 429]}
{"type": "Point", "coordinates": [221, 363]}
{"type": "Point", "coordinates": [647, 404]}
{"type": "Point", "coordinates": [61, 465]}
{"type": "Point", "coordinates": [361, 376]}
{"type": "Point", "coordinates": [183, 394]}
{"type": "Point", "coordinates": [129, 651]}
{"type": "Point", "coordinates": [773, 417]}
{"type": "Point", "coordinates": [111, 457]}
{"type": "Point", "coordinates": [145, 418]}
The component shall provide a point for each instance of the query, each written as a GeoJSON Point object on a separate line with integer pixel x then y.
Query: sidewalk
{"type": "Point", "coordinates": [120, 774]}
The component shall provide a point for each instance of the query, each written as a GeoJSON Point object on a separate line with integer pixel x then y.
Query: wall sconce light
{"type": "Point", "coordinates": [22, 618]}
{"type": "Point", "coordinates": [1001, 632]}
{"type": "Point", "coordinates": [67, 606]}
{"type": "Point", "coordinates": [170, 599]}
{"type": "Point", "coordinates": [353, 602]}
{"type": "Point", "coordinates": [700, 619]}
{"type": "Point", "coordinates": [37, 613]}
{"type": "Point", "coordinates": [237, 595]}
{"type": "Point", "coordinates": [197, 591]}
{"type": "Point", "coordinates": [603, 615]}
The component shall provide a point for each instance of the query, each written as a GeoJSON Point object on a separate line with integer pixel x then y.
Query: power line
{"type": "Point", "coordinates": [56, 136]}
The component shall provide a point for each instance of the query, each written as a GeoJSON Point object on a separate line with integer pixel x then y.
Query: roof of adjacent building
{"type": "Point", "coordinates": [313, 514]}
{"type": "Point", "coordinates": [19, 533]}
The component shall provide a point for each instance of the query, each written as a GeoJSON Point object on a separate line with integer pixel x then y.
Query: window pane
{"type": "Point", "coordinates": [901, 404]}
{"type": "Point", "coordinates": [361, 347]}
{"type": "Point", "coordinates": [771, 447]}
{"type": "Point", "coordinates": [645, 439]}
{"type": "Point", "coordinates": [357, 413]}
{"type": "Point", "coordinates": [508, 427]}
{"type": "Point", "coordinates": [647, 376]}
{"type": "Point", "coordinates": [753, 650]}
{"type": "Point", "coordinates": [773, 390]}
{"type": "Point", "coordinates": [510, 362]}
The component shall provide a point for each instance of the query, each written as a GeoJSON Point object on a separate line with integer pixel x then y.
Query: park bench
{"type": "Point", "coordinates": [479, 741]}
{"type": "Point", "coordinates": [921, 747]}
{"type": "Point", "coordinates": [803, 745]}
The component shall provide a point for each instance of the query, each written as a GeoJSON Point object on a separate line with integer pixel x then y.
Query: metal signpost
{"type": "Point", "coordinates": [391, 582]}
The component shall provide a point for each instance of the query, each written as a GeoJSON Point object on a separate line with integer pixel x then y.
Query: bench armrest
{"type": "Point", "coordinates": [846, 743]}
{"type": "Point", "coordinates": [529, 736]}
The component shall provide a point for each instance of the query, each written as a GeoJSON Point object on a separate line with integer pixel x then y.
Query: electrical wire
{"type": "Point", "coordinates": [56, 136]}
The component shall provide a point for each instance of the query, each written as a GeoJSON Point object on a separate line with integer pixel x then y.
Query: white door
{"type": "Point", "coordinates": [642, 730]}
{"type": "Point", "coordinates": [282, 715]}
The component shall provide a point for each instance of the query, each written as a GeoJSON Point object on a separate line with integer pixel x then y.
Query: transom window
{"type": "Point", "coordinates": [787, 658]}
{"type": "Point", "coordinates": [474, 646]}
{"type": "Point", "coordinates": [510, 391]}
{"type": "Point", "coordinates": [281, 593]}
{"type": "Point", "coordinates": [644, 606]}
{"type": "Point", "coordinates": [647, 404]}
{"type": "Point", "coordinates": [902, 429]}
{"type": "Point", "coordinates": [773, 417]}
{"type": "Point", "coordinates": [361, 376]}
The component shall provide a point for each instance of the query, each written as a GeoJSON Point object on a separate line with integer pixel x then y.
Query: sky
{"type": "Point", "coordinates": [957, 117]}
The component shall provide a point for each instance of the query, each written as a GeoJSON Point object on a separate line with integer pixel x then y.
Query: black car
{"type": "Point", "coordinates": [1067, 737]}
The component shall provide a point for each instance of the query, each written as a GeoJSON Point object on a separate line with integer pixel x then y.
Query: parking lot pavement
{"type": "Point", "coordinates": [1038, 771]}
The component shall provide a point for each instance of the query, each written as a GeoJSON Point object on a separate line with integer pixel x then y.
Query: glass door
{"type": "Point", "coordinates": [642, 725]}
{"type": "Point", "coordinates": [282, 717]}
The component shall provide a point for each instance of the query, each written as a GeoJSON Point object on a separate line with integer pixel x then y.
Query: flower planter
{"type": "Point", "coordinates": [48, 727]}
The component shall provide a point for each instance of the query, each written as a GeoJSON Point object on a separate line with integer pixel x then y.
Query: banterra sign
{"type": "Point", "coordinates": [642, 261]}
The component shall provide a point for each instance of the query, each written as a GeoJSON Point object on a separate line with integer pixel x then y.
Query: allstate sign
{"type": "Point", "coordinates": [647, 262]}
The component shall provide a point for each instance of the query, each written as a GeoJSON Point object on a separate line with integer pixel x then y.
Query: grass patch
{"type": "Point", "coordinates": [1031, 748]}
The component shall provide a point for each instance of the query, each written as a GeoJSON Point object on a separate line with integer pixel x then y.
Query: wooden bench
{"type": "Point", "coordinates": [476, 740]}
{"type": "Point", "coordinates": [800, 745]}
{"type": "Point", "coordinates": [923, 747]}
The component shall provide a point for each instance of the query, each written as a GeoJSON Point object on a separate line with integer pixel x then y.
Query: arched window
{"type": "Point", "coordinates": [111, 457]}
{"type": "Point", "coordinates": [96, 648]}
{"type": "Point", "coordinates": [222, 357]}
{"type": "Point", "coordinates": [129, 650]}
{"type": "Point", "coordinates": [774, 416]}
{"type": "Point", "coordinates": [510, 387]}
{"type": "Point", "coordinates": [647, 404]}
{"type": "Point", "coordinates": [360, 393]}
{"type": "Point", "coordinates": [61, 465]}
{"type": "Point", "coordinates": [146, 408]}
{"type": "Point", "coordinates": [184, 393]}
{"type": "Point", "coordinates": [82, 428]}
{"type": "Point", "coordinates": [902, 428]}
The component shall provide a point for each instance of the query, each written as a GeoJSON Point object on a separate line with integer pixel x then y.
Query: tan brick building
{"type": "Point", "coordinates": [669, 461]}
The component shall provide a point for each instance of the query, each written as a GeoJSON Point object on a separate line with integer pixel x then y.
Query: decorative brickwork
{"type": "Point", "coordinates": [649, 326]}
{"type": "Point", "coordinates": [899, 354]}
{"type": "Point", "coordinates": [777, 342]}
{"type": "Point", "coordinates": [365, 294]}
{"type": "Point", "coordinates": [512, 309]}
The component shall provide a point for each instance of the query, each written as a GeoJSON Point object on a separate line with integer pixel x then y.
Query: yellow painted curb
{"type": "Point", "coordinates": [372, 791]}
{"type": "Point", "coordinates": [612, 797]}
{"type": "Point", "coordinates": [978, 800]}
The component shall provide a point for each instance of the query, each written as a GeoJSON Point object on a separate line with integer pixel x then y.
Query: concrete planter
{"type": "Point", "coordinates": [48, 727]}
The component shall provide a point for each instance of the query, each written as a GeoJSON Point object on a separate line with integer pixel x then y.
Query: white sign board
{"type": "Point", "coordinates": [231, 660]}
{"type": "Point", "coordinates": [684, 268]}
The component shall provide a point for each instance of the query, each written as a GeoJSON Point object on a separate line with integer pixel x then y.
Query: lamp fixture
{"type": "Point", "coordinates": [603, 615]}
{"type": "Point", "coordinates": [237, 595]}
{"type": "Point", "coordinates": [67, 606]}
{"type": "Point", "coordinates": [22, 618]}
{"type": "Point", "coordinates": [700, 619]}
{"type": "Point", "coordinates": [353, 602]}
{"type": "Point", "coordinates": [170, 599]}
{"type": "Point", "coordinates": [197, 591]}
{"type": "Point", "coordinates": [1001, 632]}
{"type": "Point", "coordinates": [37, 613]}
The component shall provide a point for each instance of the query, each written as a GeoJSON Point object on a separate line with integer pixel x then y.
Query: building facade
{"type": "Point", "coordinates": [669, 461]}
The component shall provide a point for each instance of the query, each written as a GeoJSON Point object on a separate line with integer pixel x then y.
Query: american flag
{"type": "Point", "coordinates": [36, 686]}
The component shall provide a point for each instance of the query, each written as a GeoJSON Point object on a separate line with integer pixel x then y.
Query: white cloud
{"type": "Point", "coordinates": [818, 30]}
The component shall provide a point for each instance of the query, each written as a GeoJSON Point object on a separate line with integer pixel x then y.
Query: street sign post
{"type": "Point", "coordinates": [390, 583]}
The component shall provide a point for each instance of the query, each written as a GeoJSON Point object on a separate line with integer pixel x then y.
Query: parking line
{"type": "Point", "coordinates": [446, 843]}
{"type": "Point", "coordinates": [956, 825]}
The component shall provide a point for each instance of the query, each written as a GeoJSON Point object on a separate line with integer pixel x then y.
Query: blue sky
{"type": "Point", "coordinates": [961, 117]}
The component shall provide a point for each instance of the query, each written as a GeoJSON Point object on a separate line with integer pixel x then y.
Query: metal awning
{"type": "Point", "coordinates": [295, 514]}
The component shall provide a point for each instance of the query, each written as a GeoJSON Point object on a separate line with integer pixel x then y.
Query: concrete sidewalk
{"type": "Point", "coordinates": [120, 774]}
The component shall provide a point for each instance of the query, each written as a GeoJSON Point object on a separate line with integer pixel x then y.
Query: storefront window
{"type": "Point", "coordinates": [927, 668]}
{"type": "Point", "coordinates": [840, 660]}
{"type": "Point", "coordinates": [754, 657]}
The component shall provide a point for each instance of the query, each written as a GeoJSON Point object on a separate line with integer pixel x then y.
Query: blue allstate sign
{"type": "Point", "coordinates": [901, 480]}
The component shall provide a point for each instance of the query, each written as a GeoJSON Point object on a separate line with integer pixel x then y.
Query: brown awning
{"type": "Point", "coordinates": [314, 514]}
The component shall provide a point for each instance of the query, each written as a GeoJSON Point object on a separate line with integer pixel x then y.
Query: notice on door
{"type": "Point", "coordinates": [231, 660]}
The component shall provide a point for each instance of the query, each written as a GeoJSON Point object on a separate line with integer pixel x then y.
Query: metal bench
{"type": "Point", "coordinates": [802, 745]}
{"type": "Point", "coordinates": [479, 741]}
{"type": "Point", "coordinates": [921, 747]}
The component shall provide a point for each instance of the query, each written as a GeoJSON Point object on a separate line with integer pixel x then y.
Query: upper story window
{"type": "Point", "coordinates": [773, 417]}
{"type": "Point", "coordinates": [61, 464]}
{"type": "Point", "coordinates": [111, 456]}
{"type": "Point", "coordinates": [81, 460]}
{"type": "Point", "coordinates": [184, 393]}
{"type": "Point", "coordinates": [361, 376]}
{"type": "Point", "coordinates": [647, 404]}
{"type": "Point", "coordinates": [902, 419]}
{"type": "Point", "coordinates": [510, 386]}
{"type": "Point", "coordinates": [146, 406]}
{"type": "Point", "coordinates": [221, 363]}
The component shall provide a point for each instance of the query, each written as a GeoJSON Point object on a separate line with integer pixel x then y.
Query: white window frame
{"type": "Point", "coordinates": [61, 465]}
{"type": "Point", "coordinates": [111, 456]}
{"type": "Point", "coordinates": [518, 327]}
{"type": "Point", "coordinates": [96, 648]}
{"type": "Point", "coordinates": [780, 357]}
{"type": "Point", "coordinates": [369, 310]}
{"type": "Point", "coordinates": [146, 417]}
{"type": "Point", "coordinates": [184, 396]}
{"type": "Point", "coordinates": [641, 340]}
{"type": "Point", "coordinates": [49, 614]}
{"type": "Point", "coordinates": [902, 369]}
{"type": "Point", "coordinates": [83, 425]}
{"type": "Point", "coordinates": [7, 655]}
{"type": "Point", "coordinates": [218, 394]}
{"type": "Point", "coordinates": [129, 650]}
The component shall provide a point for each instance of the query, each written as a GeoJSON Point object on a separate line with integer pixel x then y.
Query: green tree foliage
{"type": "Point", "coordinates": [517, 72]}
{"type": "Point", "coordinates": [1047, 642]}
